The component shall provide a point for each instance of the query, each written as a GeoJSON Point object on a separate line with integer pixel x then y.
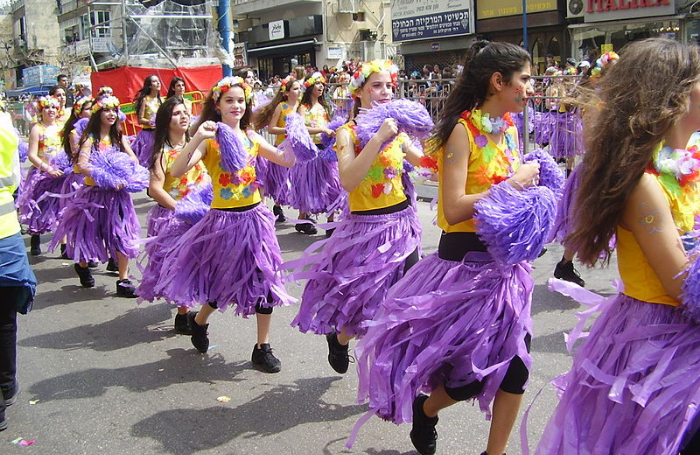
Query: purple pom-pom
{"type": "Point", "coordinates": [61, 161]}
{"type": "Point", "coordinates": [79, 126]}
{"type": "Point", "coordinates": [411, 117]}
{"type": "Point", "coordinates": [23, 150]}
{"type": "Point", "coordinates": [515, 224]}
{"type": "Point", "coordinates": [299, 138]}
{"type": "Point", "coordinates": [260, 101]}
{"type": "Point", "coordinates": [550, 175]}
{"type": "Point", "coordinates": [234, 156]}
{"type": "Point", "coordinates": [327, 153]}
{"type": "Point", "coordinates": [116, 170]}
{"type": "Point", "coordinates": [195, 205]}
{"type": "Point", "coordinates": [121, 115]}
{"type": "Point", "coordinates": [690, 291]}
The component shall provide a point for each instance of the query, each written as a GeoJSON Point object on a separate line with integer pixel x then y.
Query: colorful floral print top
{"type": "Point", "coordinates": [233, 189]}
{"type": "Point", "coordinates": [49, 142]}
{"type": "Point", "coordinates": [282, 121]}
{"type": "Point", "coordinates": [316, 117]}
{"type": "Point", "coordinates": [179, 187]}
{"type": "Point", "coordinates": [151, 106]}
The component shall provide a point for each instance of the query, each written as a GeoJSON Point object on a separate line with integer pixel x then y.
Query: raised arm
{"type": "Point", "coordinates": [353, 168]}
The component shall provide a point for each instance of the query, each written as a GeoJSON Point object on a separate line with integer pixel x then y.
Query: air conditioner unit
{"type": "Point", "coordinates": [348, 6]}
{"type": "Point", "coordinates": [574, 8]}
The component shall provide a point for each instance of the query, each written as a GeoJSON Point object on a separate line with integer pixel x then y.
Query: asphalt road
{"type": "Point", "coordinates": [101, 375]}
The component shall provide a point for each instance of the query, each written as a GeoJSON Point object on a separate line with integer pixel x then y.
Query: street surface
{"type": "Point", "coordinates": [101, 375]}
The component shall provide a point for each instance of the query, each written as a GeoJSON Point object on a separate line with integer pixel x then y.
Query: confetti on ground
{"type": "Point", "coordinates": [223, 399]}
{"type": "Point", "coordinates": [161, 369]}
{"type": "Point", "coordinates": [33, 401]}
{"type": "Point", "coordinates": [65, 264]}
{"type": "Point", "coordinates": [23, 443]}
{"type": "Point", "coordinates": [214, 346]}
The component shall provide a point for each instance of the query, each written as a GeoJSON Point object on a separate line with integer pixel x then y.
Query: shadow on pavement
{"type": "Point", "coordinates": [181, 366]}
{"type": "Point", "coordinates": [553, 343]}
{"type": "Point", "coordinates": [544, 300]}
{"type": "Point", "coordinates": [340, 442]}
{"type": "Point", "coordinates": [186, 431]}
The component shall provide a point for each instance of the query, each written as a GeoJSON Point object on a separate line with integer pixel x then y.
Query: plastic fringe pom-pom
{"type": "Point", "coordinates": [23, 150]}
{"type": "Point", "coordinates": [79, 126]}
{"type": "Point", "coordinates": [690, 291]}
{"type": "Point", "coordinates": [195, 205]}
{"type": "Point", "coordinates": [300, 139]}
{"type": "Point", "coordinates": [515, 224]}
{"type": "Point", "coordinates": [116, 170]}
{"type": "Point", "coordinates": [411, 117]}
{"type": "Point", "coordinates": [234, 156]}
{"type": "Point", "coordinates": [550, 175]}
{"type": "Point", "coordinates": [61, 161]}
{"type": "Point", "coordinates": [328, 142]}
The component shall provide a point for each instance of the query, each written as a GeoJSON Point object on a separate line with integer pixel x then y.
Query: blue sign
{"type": "Point", "coordinates": [432, 26]}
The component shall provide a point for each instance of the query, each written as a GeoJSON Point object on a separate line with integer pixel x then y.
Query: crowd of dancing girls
{"type": "Point", "coordinates": [455, 325]}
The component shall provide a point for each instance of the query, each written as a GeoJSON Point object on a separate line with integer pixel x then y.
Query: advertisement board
{"type": "Point", "coordinates": [428, 19]}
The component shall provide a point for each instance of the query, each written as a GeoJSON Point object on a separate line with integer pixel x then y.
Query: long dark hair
{"type": "Point", "coordinates": [145, 91]}
{"type": "Point", "coordinates": [211, 112]}
{"type": "Point", "coordinates": [93, 129]}
{"type": "Point", "coordinates": [637, 102]}
{"type": "Point", "coordinates": [483, 59]}
{"type": "Point", "coordinates": [264, 114]}
{"type": "Point", "coordinates": [70, 123]}
{"type": "Point", "coordinates": [162, 131]}
{"type": "Point", "coordinates": [306, 98]}
{"type": "Point", "coordinates": [171, 88]}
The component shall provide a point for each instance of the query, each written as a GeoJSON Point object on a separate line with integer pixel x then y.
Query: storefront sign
{"type": "Point", "coordinates": [240, 59]}
{"type": "Point", "coordinates": [488, 9]}
{"type": "Point", "coordinates": [424, 19]}
{"type": "Point", "coordinates": [609, 10]}
{"type": "Point", "coordinates": [335, 53]}
{"type": "Point", "coordinates": [276, 29]}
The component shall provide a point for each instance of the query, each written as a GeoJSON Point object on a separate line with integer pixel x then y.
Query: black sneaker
{"type": "Point", "coordinates": [3, 421]}
{"type": "Point", "coordinates": [112, 266]}
{"type": "Point", "coordinates": [10, 401]}
{"type": "Point", "coordinates": [329, 232]}
{"type": "Point", "coordinates": [92, 264]}
{"type": "Point", "coordinates": [542, 253]}
{"type": "Point", "coordinates": [64, 255]}
{"type": "Point", "coordinates": [565, 271]}
{"type": "Point", "coordinates": [182, 325]}
{"type": "Point", "coordinates": [423, 434]}
{"type": "Point", "coordinates": [338, 355]}
{"type": "Point", "coordinates": [263, 359]}
{"type": "Point", "coordinates": [126, 289]}
{"type": "Point", "coordinates": [279, 213]}
{"type": "Point", "coordinates": [86, 278]}
{"type": "Point", "coordinates": [35, 245]}
{"type": "Point", "coordinates": [306, 228]}
{"type": "Point", "coordinates": [199, 339]}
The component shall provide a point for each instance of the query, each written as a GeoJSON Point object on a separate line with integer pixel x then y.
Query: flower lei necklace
{"type": "Point", "coordinates": [487, 124]}
{"type": "Point", "coordinates": [683, 165]}
{"type": "Point", "coordinates": [480, 124]}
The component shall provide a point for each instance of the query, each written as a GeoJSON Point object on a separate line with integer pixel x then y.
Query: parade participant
{"type": "Point", "coordinates": [36, 210]}
{"type": "Point", "coordinates": [100, 222]}
{"type": "Point", "coordinates": [59, 93]}
{"type": "Point", "coordinates": [379, 240]}
{"type": "Point", "coordinates": [315, 184]}
{"type": "Point", "coordinates": [146, 104]}
{"type": "Point", "coordinates": [172, 123]}
{"type": "Point", "coordinates": [274, 116]}
{"type": "Point", "coordinates": [17, 280]}
{"type": "Point", "coordinates": [633, 385]}
{"type": "Point", "coordinates": [458, 324]}
{"type": "Point", "coordinates": [231, 257]}
{"type": "Point", "coordinates": [178, 88]}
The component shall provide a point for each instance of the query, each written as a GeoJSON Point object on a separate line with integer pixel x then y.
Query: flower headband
{"type": "Point", "coordinates": [314, 79]}
{"type": "Point", "coordinates": [48, 101]}
{"type": "Point", "coordinates": [286, 81]}
{"type": "Point", "coordinates": [225, 84]}
{"type": "Point", "coordinates": [80, 104]}
{"type": "Point", "coordinates": [105, 90]}
{"type": "Point", "coordinates": [105, 102]}
{"type": "Point", "coordinates": [604, 61]}
{"type": "Point", "coordinates": [368, 68]}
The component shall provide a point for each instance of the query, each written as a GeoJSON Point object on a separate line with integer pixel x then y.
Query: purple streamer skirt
{"type": "Point", "coordinates": [73, 182]}
{"type": "Point", "coordinates": [350, 277]}
{"type": "Point", "coordinates": [276, 182]}
{"type": "Point", "coordinates": [158, 217]}
{"type": "Point", "coordinates": [143, 146]}
{"type": "Point", "coordinates": [445, 322]}
{"type": "Point", "coordinates": [98, 223]}
{"type": "Point", "coordinates": [544, 126]}
{"type": "Point", "coordinates": [315, 185]}
{"type": "Point", "coordinates": [565, 208]}
{"type": "Point", "coordinates": [566, 140]}
{"type": "Point", "coordinates": [633, 388]}
{"type": "Point", "coordinates": [231, 258]}
{"type": "Point", "coordinates": [37, 208]}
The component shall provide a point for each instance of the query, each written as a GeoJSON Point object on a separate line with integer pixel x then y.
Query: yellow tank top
{"type": "Point", "coordinates": [179, 187]}
{"type": "Point", "coordinates": [49, 142]}
{"type": "Point", "coordinates": [151, 106]}
{"type": "Point", "coordinates": [382, 186]}
{"type": "Point", "coordinates": [101, 147]}
{"type": "Point", "coordinates": [489, 164]}
{"type": "Point", "coordinates": [282, 121]}
{"type": "Point", "coordinates": [237, 189]}
{"type": "Point", "coordinates": [316, 117]}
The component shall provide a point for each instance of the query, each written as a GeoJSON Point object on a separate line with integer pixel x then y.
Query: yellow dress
{"type": "Point", "coordinates": [282, 121]}
{"type": "Point", "coordinates": [233, 189]}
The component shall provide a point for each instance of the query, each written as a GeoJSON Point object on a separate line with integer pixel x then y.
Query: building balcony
{"type": "Point", "coordinates": [82, 48]}
{"type": "Point", "coordinates": [244, 7]}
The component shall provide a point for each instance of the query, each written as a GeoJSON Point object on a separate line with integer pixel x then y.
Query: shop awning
{"type": "Point", "coordinates": [39, 90]}
{"type": "Point", "coordinates": [617, 23]}
{"type": "Point", "coordinates": [287, 48]}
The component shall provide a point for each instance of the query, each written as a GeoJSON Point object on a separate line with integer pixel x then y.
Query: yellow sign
{"type": "Point", "coordinates": [488, 9]}
{"type": "Point", "coordinates": [606, 48]}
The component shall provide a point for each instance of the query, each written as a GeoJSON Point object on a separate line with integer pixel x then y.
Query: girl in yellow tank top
{"type": "Point", "coordinates": [146, 104]}
{"type": "Point", "coordinates": [633, 385]}
{"type": "Point", "coordinates": [231, 257]}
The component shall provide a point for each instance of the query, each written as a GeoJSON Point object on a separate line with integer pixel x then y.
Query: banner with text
{"type": "Point", "coordinates": [428, 19]}
{"type": "Point", "coordinates": [488, 9]}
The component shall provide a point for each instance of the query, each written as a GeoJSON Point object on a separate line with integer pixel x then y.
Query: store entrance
{"type": "Point", "coordinates": [283, 65]}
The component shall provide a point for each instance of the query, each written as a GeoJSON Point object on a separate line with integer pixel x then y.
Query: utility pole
{"type": "Point", "coordinates": [224, 13]}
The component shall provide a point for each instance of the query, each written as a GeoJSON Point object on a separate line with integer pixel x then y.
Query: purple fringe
{"type": "Point", "coordinates": [193, 207]}
{"type": "Point", "coordinates": [73, 182]}
{"type": "Point", "coordinates": [79, 126]}
{"type": "Point", "coordinates": [275, 180]}
{"type": "Point", "coordinates": [157, 218]}
{"type": "Point", "coordinates": [114, 170]}
{"type": "Point", "coordinates": [550, 175]}
{"type": "Point", "coordinates": [143, 146]}
{"type": "Point", "coordinates": [691, 289]}
{"type": "Point", "coordinates": [36, 208]}
{"type": "Point", "coordinates": [633, 386]}
{"type": "Point", "coordinates": [411, 118]}
{"type": "Point", "coordinates": [564, 219]}
{"type": "Point", "coordinates": [350, 277]}
{"type": "Point", "coordinates": [98, 223]}
{"type": "Point", "coordinates": [327, 151]}
{"type": "Point", "coordinates": [445, 322]}
{"type": "Point", "coordinates": [299, 138]}
{"type": "Point", "coordinates": [566, 139]}
{"type": "Point", "coordinates": [515, 224]}
{"type": "Point", "coordinates": [544, 126]}
{"type": "Point", "coordinates": [23, 149]}
{"type": "Point", "coordinates": [315, 185]}
{"type": "Point", "coordinates": [231, 258]}
{"type": "Point", "coordinates": [234, 156]}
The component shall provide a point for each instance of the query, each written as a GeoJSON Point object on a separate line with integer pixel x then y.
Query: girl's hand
{"type": "Point", "coordinates": [329, 133]}
{"type": "Point", "coordinates": [527, 175]}
{"type": "Point", "coordinates": [388, 130]}
{"type": "Point", "coordinates": [55, 172]}
{"type": "Point", "coordinates": [207, 130]}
